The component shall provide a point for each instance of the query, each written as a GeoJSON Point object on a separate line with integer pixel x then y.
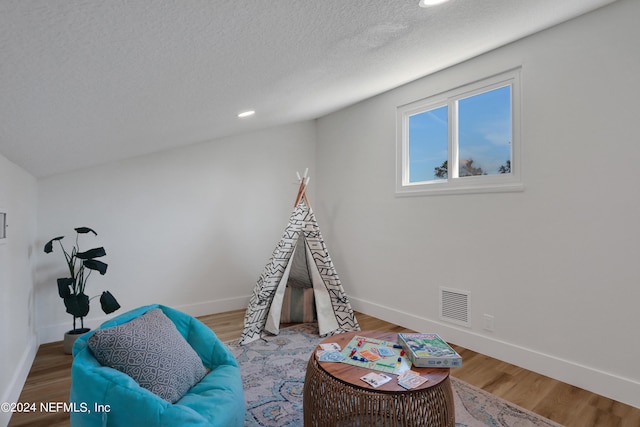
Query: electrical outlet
{"type": "Point", "coordinates": [488, 322]}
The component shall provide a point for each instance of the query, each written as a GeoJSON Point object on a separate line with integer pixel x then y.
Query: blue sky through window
{"type": "Point", "coordinates": [484, 135]}
{"type": "Point", "coordinates": [428, 143]}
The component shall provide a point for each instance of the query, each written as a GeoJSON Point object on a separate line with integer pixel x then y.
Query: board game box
{"type": "Point", "coordinates": [429, 351]}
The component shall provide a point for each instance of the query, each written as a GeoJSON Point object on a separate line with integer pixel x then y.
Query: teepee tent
{"type": "Point", "coordinates": [300, 260]}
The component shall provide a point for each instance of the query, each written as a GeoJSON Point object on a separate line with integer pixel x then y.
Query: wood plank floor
{"type": "Point", "coordinates": [49, 381]}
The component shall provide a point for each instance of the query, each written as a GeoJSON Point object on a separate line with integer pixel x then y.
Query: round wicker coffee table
{"type": "Point", "coordinates": [334, 394]}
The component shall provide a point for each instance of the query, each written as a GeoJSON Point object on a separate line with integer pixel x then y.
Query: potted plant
{"type": "Point", "coordinates": [72, 289]}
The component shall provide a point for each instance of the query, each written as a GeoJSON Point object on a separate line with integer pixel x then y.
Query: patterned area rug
{"type": "Point", "coordinates": [273, 371]}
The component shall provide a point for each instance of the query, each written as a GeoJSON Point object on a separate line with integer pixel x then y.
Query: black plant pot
{"type": "Point", "coordinates": [70, 338]}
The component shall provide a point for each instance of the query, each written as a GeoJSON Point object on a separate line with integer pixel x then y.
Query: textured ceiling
{"type": "Point", "coordinates": [84, 82]}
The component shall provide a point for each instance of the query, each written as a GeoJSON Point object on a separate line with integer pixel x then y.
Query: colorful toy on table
{"type": "Point", "coordinates": [375, 354]}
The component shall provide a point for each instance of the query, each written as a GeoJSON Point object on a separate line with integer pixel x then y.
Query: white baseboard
{"type": "Point", "coordinates": [596, 381]}
{"type": "Point", "coordinates": [15, 386]}
{"type": "Point", "coordinates": [53, 333]}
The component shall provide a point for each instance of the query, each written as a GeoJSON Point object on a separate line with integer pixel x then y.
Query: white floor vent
{"type": "Point", "coordinates": [455, 306]}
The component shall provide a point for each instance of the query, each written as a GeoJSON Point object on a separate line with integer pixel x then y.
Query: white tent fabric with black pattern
{"type": "Point", "coordinates": [301, 257]}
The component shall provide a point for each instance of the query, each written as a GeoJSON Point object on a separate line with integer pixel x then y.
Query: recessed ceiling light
{"type": "Point", "coordinates": [246, 114]}
{"type": "Point", "coordinates": [429, 3]}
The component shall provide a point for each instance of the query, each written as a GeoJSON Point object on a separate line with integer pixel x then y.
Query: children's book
{"type": "Point", "coordinates": [429, 351]}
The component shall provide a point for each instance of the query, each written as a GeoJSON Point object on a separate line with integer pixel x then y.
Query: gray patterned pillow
{"type": "Point", "coordinates": [150, 350]}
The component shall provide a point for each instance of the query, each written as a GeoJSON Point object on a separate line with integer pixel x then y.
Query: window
{"type": "Point", "coordinates": [463, 141]}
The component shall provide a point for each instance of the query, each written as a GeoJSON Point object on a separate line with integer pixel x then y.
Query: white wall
{"type": "Point", "coordinates": [17, 320]}
{"type": "Point", "coordinates": [557, 264]}
{"type": "Point", "coordinates": [191, 228]}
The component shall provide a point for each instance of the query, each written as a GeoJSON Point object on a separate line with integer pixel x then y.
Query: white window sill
{"type": "Point", "coordinates": [448, 187]}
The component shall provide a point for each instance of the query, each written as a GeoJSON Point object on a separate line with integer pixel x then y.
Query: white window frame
{"type": "Point", "coordinates": [468, 184]}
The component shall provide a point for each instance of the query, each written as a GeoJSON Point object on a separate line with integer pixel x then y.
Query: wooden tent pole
{"type": "Point", "coordinates": [306, 201]}
{"type": "Point", "coordinates": [300, 193]}
{"type": "Point", "coordinates": [302, 190]}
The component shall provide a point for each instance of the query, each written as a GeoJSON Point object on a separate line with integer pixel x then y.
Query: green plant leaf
{"type": "Point", "coordinates": [92, 253]}
{"type": "Point", "coordinates": [64, 287]}
{"type": "Point", "coordinates": [94, 264]}
{"type": "Point", "coordinates": [85, 230]}
{"type": "Point", "coordinates": [77, 305]}
{"type": "Point", "coordinates": [108, 302]}
{"type": "Point", "coordinates": [48, 248]}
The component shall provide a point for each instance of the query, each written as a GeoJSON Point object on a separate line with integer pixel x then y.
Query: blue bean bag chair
{"type": "Point", "coordinates": [105, 396]}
